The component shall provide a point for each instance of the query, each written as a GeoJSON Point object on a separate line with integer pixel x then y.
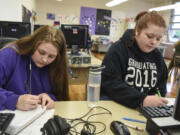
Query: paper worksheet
{"type": "Point", "coordinates": [28, 122]}
{"type": "Point", "coordinates": [34, 128]}
{"type": "Point", "coordinates": [171, 101]}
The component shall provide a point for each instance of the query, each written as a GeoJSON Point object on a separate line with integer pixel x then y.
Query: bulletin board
{"type": "Point", "coordinates": [102, 24]}
{"type": "Point", "coordinates": [96, 19]}
{"type": "Point", "coordinates": [88, 17]}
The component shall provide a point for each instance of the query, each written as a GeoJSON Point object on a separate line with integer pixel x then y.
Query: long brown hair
{"type": "Point", "coordinates": [58, 69]}
{"type": "Point", "coordinates": [144, 18]}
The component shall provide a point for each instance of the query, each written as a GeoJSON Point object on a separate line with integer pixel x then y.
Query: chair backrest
{"type": "Point", "coordinates": [5, 40]}
{"type": "Point", "coordinates": [177, 54]}
{"type": "Point", "coordinates": [175, 62]}
{"type": "Point", "coordinates": [90, 43]}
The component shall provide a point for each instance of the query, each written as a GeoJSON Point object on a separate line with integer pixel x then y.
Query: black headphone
{"type": "Point", "coordinates": [59, 126]}
{"type": "Point", "coordinates": [56, 126]}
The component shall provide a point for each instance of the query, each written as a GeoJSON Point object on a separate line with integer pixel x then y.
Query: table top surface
{"type": "Point", "coordinates": [76, 109]}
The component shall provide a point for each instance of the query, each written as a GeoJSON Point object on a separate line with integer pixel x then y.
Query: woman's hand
{"type": "Point", "coordinates": [154, 101]}
{"type": "Point", "coordinates": [27, 102]}
{"type": "Point", "coordinates": [46, 101]}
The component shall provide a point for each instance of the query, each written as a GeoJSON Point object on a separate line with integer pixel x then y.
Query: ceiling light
{"type": "Point", "coordinates": [173, 6]}
{"type": "Point", "coordinates": [59, 0]}
{"type": "Point", "coordinates": [115, 2]}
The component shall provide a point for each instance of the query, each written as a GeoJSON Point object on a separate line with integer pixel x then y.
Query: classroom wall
{"type": "Point", "coordinates": [166, 14]}
{"type": "Point", "coordinates": [72, 8]}
{"type": "Point", "coordinates": [29, 4]}
{"type": "Point", "coordinates": [11, 10]}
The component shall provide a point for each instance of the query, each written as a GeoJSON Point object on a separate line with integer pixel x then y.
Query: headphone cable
{"type": "Point", "coordinates": [88, 126]}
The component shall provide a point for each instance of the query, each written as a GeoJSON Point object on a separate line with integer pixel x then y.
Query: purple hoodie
{"type": "Point", "coordinates": [15, 72]}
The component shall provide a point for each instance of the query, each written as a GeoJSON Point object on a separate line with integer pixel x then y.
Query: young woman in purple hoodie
{"type": "Point", "coordinates": [33, 70]}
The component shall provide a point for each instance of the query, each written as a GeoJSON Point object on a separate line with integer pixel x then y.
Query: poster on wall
{"type": "Point", "coordinates": [96, 19]}
{"type": "Point", "coordinates": [50, 16]}
{"type": "Point", "coordinates": [26, 14]}
{"type": "Point", "coordinates": [102, 24]}
{"type": "Point", "coordinates": [88, 17]}
{"type": "Point", "coordinates": [67, 19]}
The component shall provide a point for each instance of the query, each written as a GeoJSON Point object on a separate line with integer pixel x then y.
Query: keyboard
{"type": "Point", "coordinates": [157, 111]}
{"type": "Point", "coordinates": [5, 119]}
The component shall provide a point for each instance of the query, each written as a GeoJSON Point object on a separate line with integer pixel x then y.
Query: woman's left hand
{"type": "Point", "coordinates": [46, 101]}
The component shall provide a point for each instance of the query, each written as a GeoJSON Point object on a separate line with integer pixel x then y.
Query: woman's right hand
{"type": "Point", "coordinates": [154, 101]}
{"type": "Point", "coordinates": [27, 102]}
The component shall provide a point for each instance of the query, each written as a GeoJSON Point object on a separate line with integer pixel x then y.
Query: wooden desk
{"type": "Point", "coordinates": [76, 109]}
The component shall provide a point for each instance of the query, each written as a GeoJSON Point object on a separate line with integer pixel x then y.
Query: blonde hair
{"type": "Point", "coordinates": [58, 69]}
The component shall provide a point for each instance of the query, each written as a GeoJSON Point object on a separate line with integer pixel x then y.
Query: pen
{"type": "Point", "coordinates": [135, 127]}
{"type": "Point", "coordinates": [159, 94]}
{"type": "Point", "coordinates": [133, 120]}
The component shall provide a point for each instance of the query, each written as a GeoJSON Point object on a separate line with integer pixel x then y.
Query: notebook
{"type": "Point", "coordinates": [35, 127]}
{"type": "Point", "coordinates": [23, 118]}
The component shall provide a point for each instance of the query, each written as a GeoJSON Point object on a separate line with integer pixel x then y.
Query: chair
{"type": "Point", "coordinates": [5, 40]}
{"type": "Point", "coordinates": [175, 62]}
{"type": "Point", "coordinates": [90, 43]}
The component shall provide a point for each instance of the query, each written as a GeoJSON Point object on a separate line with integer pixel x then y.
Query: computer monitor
{"type": "Point", "coordinates": [15, 29]}
{"type": "Point", "coordinates": [36, 26]}
{"type": "Point", "coordinates": [76, 36]}
{"type": "Point", "coordinates": [176, 113]}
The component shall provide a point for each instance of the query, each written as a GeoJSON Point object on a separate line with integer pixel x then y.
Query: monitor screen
{"type": "Point", "coordinates": [15, 29]}
{"type": "Point", "coordinates": [0, 30]}
{"type": "Point", "coordinates": [75, 35]}
{"type": "Point", "coordinates": [36, 26]}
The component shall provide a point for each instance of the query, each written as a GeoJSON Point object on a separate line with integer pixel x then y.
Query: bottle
{"type": "Point", "coordinates": [93, 87]}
